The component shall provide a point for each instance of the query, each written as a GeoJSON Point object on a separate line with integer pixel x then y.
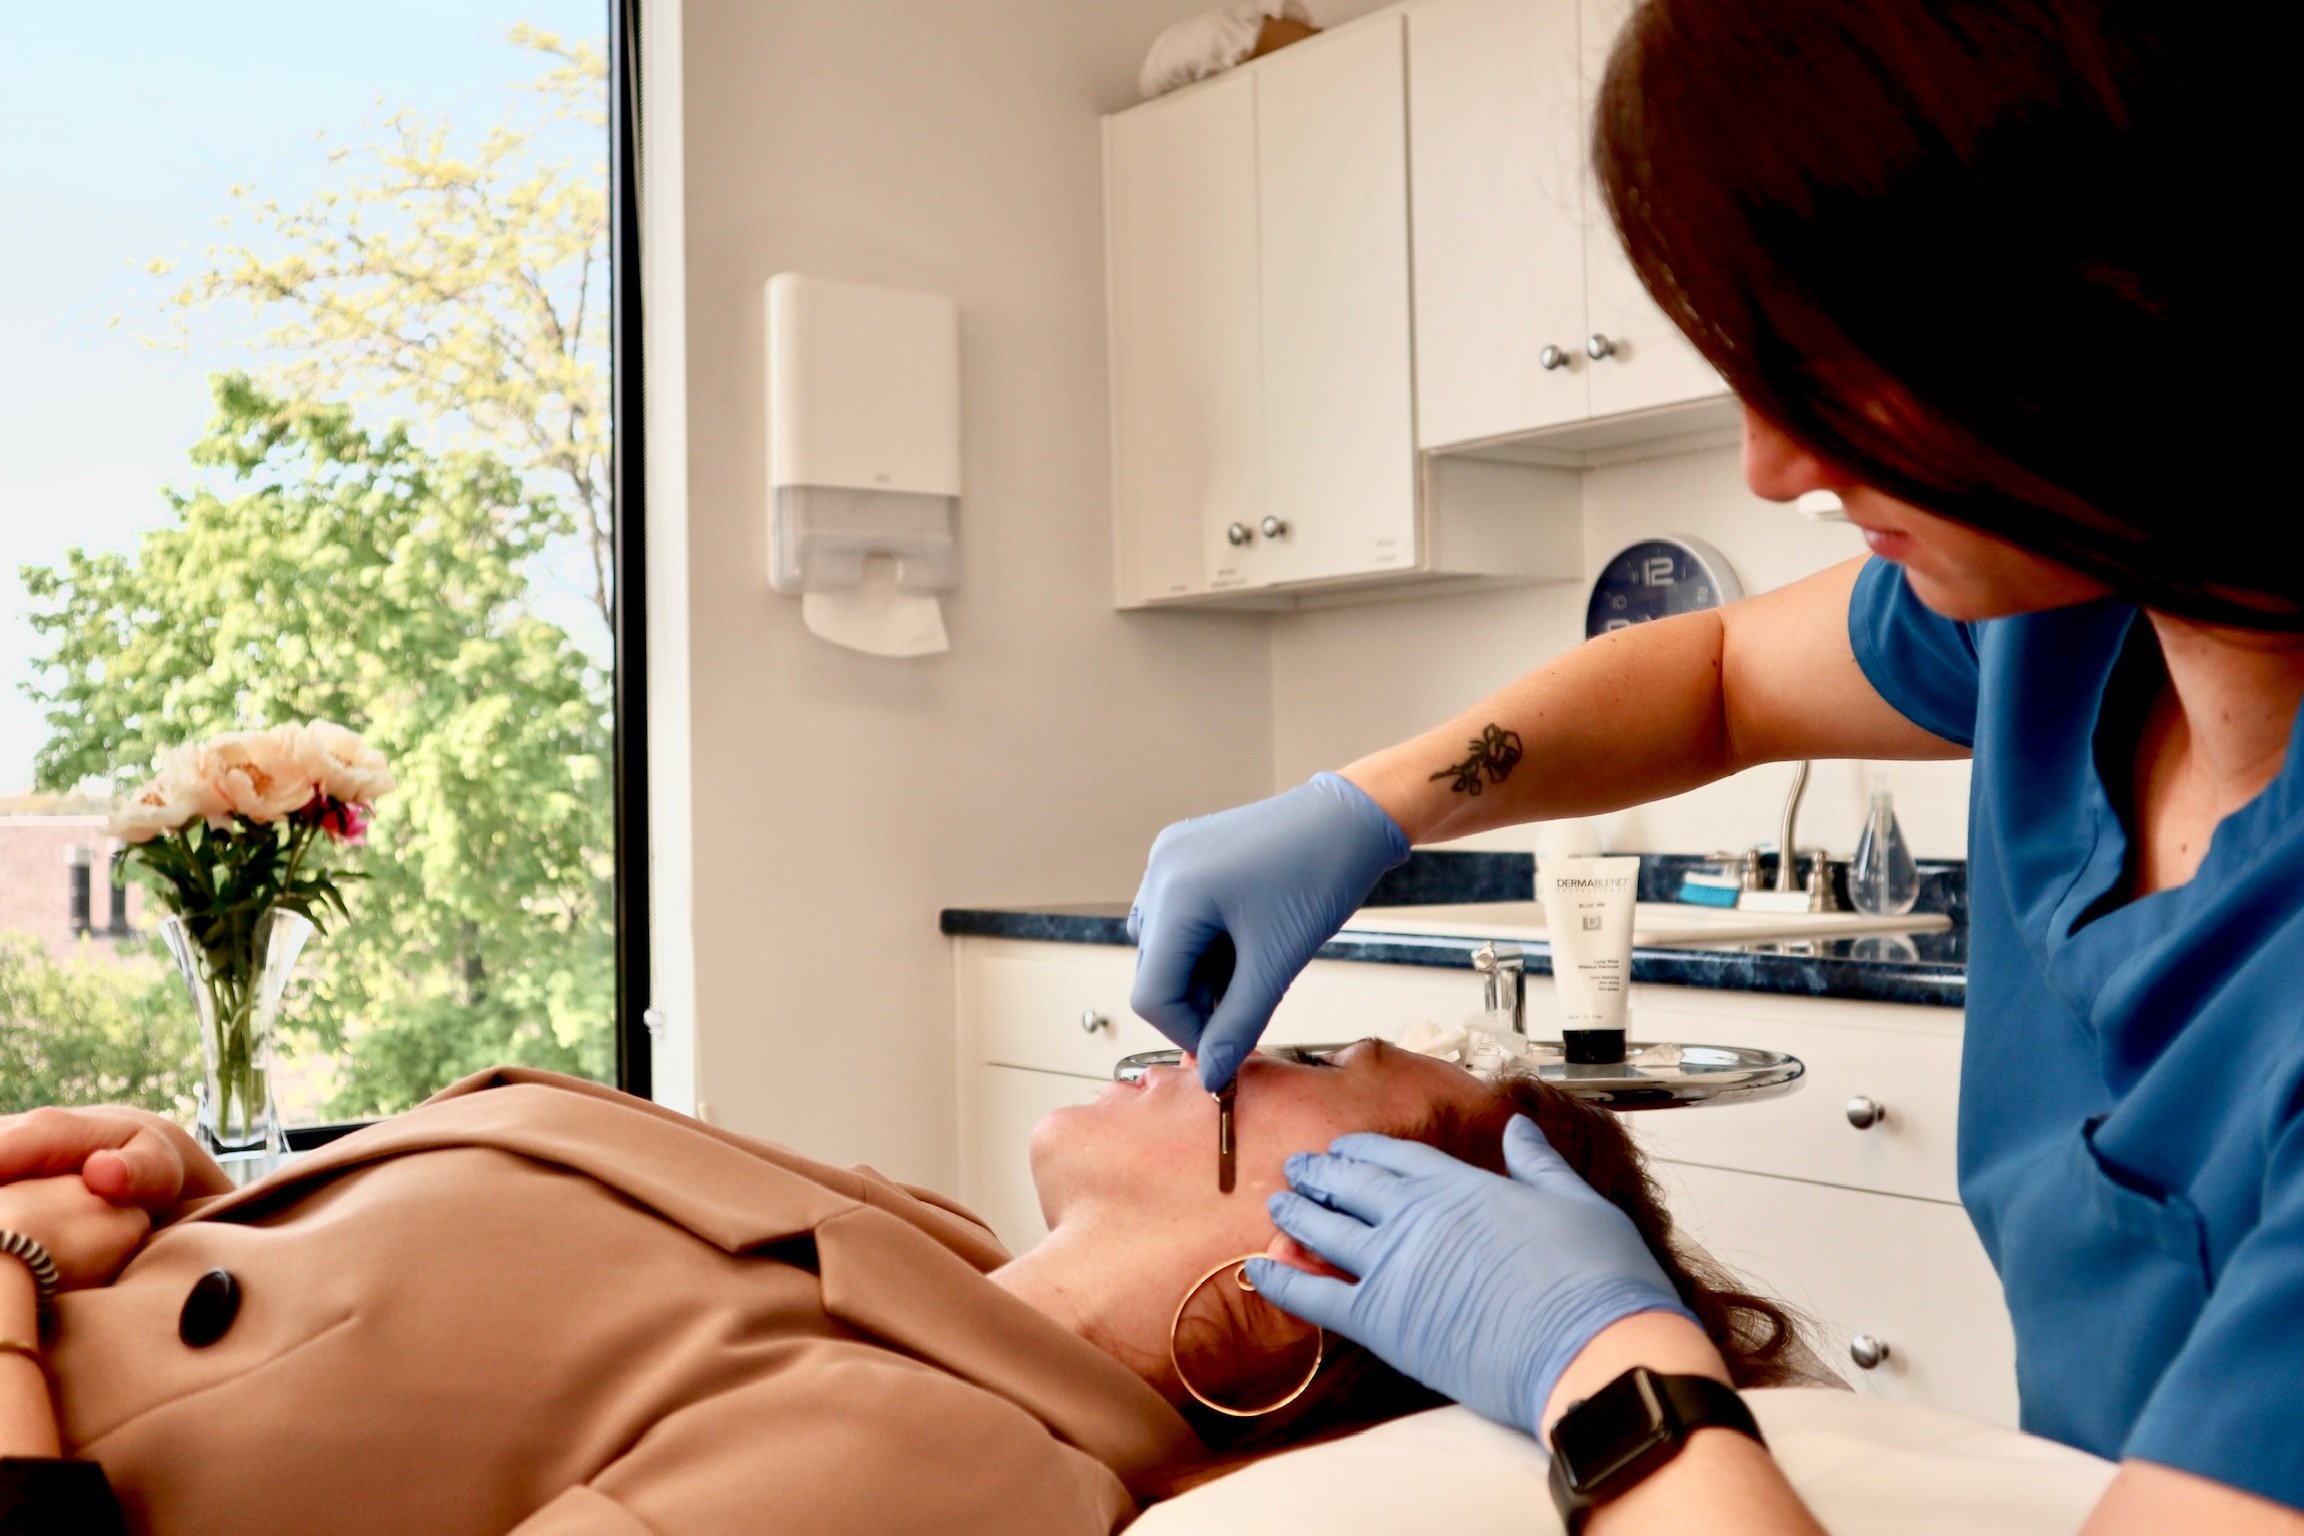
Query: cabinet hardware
{"type": "Point", "coordinates": [1273, 528]}
{"type": "Point", "coordinates": [1092, 1021]}
{"type": "Point", "coordinates": [1551, 357]}
{"type": "Point", "coordinates": [1868, 1351]}
{"type": "Point", "coordinates": [1865, 1113]}
{"type": "Point", "coordinates": [1597, 346]}
{"type": "Point", "coordinates": [1239, 534]}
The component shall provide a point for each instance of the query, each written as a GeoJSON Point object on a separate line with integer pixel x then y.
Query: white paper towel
{"type": "Point", "coordinates": [876, 617]}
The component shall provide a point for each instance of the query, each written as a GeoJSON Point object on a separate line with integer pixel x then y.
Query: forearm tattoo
{"type": "Point", "coordinates": [1489, 758]}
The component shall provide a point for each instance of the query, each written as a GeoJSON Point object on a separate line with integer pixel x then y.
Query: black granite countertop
{"type": "Point", "coordinates": [1929, 969]}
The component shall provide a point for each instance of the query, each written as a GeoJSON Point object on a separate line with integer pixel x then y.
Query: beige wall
{"type": "Point", "coordinates": [1348, 680]}
{"type": "Point", "coordinates": [840, 801]}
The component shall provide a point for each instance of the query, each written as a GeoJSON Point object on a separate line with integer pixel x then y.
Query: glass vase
{"type": "Point", "coordinates": [236, 988]}
{"type": "Point", "coordinates": [1883, 880]}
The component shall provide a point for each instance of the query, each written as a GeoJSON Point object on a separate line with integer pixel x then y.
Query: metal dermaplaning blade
{"type": "Point", "coordinates": [1226, 1156]}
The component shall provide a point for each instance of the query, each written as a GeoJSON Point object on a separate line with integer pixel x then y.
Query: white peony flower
{"type": "Point", "coordinates": [260, 774]}
{"type": "Point", "coordinates": [345, 767]}
{"type": "Point", "coordinates": [181, 793]}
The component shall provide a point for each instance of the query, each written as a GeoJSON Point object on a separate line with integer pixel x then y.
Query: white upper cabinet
{"type": "Point", "coordinates": [1263, 350]}
{"type": "Point", "coordinates": [1495, 139]}
{"type": "Point", "coordinates": [1339, 409]}
{"type": "Point", "coordinates": [1529, 320]}
{"type": "Point", "coordinates": [1643, 361]}
{"type": "Point", "coordinates": [1187, 384]}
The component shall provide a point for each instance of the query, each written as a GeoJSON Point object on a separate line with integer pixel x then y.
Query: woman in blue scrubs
{"type": "Point", "coordinates": [1994, 273]}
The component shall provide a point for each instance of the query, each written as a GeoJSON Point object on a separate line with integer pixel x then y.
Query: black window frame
{"type": "Point", "coordinates": [629, 680]}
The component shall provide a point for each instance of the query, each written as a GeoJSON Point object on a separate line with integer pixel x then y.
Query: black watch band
{"type": "Point", "coordinates": [1622, 1433]}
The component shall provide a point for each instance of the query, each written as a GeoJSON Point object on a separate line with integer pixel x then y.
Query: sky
{"type": "Point", "coordinates": [128, 124]}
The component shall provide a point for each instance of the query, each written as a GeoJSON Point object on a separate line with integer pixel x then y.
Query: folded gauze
{"type": "Point", "coordinates": [1210, 43]}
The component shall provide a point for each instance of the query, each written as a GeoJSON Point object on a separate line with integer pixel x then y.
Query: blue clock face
{"type": "Point", "coordinates": [1655, 579]}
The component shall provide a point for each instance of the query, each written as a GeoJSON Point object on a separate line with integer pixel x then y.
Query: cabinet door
{"type": "Point", "coordinates": [1650, 363]}
{"type": "Point", "coordinates": [1180, 252]}
{"type": "Point", "coordinates": [1909, 1273]}
{"type": "Point", "coordinates": [1495, 144]}
{"type": "Point", "coordinates": [1332, 181]}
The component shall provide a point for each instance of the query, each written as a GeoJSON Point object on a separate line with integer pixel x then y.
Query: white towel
{"type": "Point", "coordinates": [1212, 42]}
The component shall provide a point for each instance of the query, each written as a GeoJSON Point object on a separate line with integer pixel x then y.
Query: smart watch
{"type": "Point", "coordinates": [1610, 1441]}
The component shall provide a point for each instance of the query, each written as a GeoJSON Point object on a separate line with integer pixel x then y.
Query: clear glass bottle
{"type": "Point", "coordinates": [1882, 879]}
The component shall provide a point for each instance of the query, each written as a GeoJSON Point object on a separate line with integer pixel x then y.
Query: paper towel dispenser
{"type": "Point", "coordinates": [863, 434]}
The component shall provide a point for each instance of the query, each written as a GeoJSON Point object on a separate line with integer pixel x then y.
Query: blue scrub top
{"type": "Point", "coordinates": [2132, 1081]}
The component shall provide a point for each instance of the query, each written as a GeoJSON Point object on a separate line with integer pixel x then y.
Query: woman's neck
{"type": "Point", "coordinates": [2215, 737]}
{"type": "Point", "coordinates": [1112, 1287]}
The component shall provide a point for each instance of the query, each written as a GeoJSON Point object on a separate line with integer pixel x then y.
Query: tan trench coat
{"type": "Point", "coordinates": [535, 1305]}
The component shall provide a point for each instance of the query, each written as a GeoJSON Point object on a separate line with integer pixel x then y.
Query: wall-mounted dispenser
{"type": "Point", "coordinates": [864, 459]}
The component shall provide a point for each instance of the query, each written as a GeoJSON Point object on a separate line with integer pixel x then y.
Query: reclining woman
{"type": "Point", "coordinates": [535, 1305]}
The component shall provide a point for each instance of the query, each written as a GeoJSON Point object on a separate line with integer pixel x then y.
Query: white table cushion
{"type": "Point", "coordinates": [1867, 1466]}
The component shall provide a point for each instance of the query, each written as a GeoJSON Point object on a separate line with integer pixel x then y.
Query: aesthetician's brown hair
{"type": "Point", "coordinates": [1985, 255]}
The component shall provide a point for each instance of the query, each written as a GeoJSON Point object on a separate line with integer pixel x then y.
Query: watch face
{"type": "Point", "coordinates": [1617, 1427]}
{"type": "Point", "coordinates": [1655, 579]}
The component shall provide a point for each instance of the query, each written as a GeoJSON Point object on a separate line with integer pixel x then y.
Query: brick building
{"type": "Point", "coordinates": [58, 878]}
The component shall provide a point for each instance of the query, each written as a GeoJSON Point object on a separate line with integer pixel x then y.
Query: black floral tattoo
{"type": "Point", "coordinates": [1492, 755]}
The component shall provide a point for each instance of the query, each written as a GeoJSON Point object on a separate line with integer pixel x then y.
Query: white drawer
{"type": "Point", "coordinates": [1908, 1272]}
{"type": "Point", "coordinates": [1344, 1000]}
{"type": "Point", "coordinates": [1022, 1004]}
{"type": "Point", "coordinates": [1904, 1059]}
{"type": "Point", "coordinates": [1031, 1003]}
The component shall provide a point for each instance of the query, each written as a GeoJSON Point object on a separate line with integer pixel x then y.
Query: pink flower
{"type": "Point", "coordinates": [346, 821]}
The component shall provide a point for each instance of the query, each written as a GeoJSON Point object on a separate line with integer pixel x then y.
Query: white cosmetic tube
{"type": "Point", "coordinates": [1588, 915]}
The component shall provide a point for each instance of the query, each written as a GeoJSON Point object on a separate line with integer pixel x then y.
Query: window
{"type": "Point", "coordinates": [308, 413]}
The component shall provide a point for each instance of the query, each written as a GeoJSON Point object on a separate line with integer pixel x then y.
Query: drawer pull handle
{"type": "Point", "coordinates": [1864, 1113]}
{"type": "Point", "coordinates": [1868, 1351]}
{"type": "Point", "coordinates": [1092, 1021]}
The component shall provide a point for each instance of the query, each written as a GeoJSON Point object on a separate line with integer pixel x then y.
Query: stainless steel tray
{"type": "Point", "coordinates": [1703, 1074]}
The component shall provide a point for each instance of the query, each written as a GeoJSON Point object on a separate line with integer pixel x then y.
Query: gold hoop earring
{"type": "Point", "coordinates": [1239, 1268]}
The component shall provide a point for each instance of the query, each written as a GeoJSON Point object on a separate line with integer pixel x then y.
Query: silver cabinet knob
{"type": "Point", "coordinates": [1864, 1113]}
{"type": "Point", "coordinates": [1868, 1351]}
{"type": "Point", "coordinates": [1597, 346]}
{"type": "Point", "coordinates": [1551, 357]}
{"type": "Point", "coordinates": [1092, 1021]}
{"type": "Point", "coordinates": [1239, 534]}
{"type": "Point", "coordinates": [1273, 528]}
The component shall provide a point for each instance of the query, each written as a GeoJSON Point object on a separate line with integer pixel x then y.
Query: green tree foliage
{"type": "Point", "coordinates": [81, 1031]}
{"type": "Point", "coordinates": [351, 575]}
{"type": "Point", "coordinates": [464, 281]}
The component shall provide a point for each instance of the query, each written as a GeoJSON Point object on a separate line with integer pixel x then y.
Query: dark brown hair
{"type": "Point", "coordinates": [2006, 260]}
{"type": "Point", "coordinates": [1757, 1337]}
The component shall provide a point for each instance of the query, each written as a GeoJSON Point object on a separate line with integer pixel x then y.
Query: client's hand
{"type": "Point", "coordinates": [1481, 1287]}
{"type": "Point", "coordinates": [88, 1236]}
{"type": "Point", "coordinates": [128, 1156]}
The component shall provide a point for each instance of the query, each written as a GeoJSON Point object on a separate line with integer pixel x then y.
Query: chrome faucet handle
{"type": "Point", "coordinates": [1820, 897]}
{"type": "Point", "coordinates": [1503, 970]}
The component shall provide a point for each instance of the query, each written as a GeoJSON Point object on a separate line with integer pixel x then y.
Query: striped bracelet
{"type": "Point", "coordinates": [35, 1258]}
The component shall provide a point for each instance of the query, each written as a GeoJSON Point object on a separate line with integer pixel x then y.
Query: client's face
{"type": "Point", "coordinates": [1150, 1146]}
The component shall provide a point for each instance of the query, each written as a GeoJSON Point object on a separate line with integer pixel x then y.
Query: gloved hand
{"type": "Point", "coordinates": [1277, 879]}
{"type": "Point", "coordinates": [1478, 1286]}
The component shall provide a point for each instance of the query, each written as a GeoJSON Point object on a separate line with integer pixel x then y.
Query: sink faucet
{"type": "Point", "coordinates": [1787, 855]}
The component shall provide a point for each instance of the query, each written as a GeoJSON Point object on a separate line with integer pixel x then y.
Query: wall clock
{"type": "Point", "coordinates": [1656, 578]}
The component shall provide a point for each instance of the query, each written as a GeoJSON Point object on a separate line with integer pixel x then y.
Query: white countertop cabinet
{"type": "Point", "coordinates": [1857, 1226]}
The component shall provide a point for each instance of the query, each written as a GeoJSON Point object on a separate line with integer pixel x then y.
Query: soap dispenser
{"type": "Point", "coordinates": [1882, 879]}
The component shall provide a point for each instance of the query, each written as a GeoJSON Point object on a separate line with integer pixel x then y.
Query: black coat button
{"type": "Point", "coordinates": [209, 1310]}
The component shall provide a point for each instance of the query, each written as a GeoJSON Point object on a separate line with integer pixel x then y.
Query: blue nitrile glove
{"type": "Point", "coordinates": [1478, 1286]}
{"type": "Point", "coordinates": [1276, 880]}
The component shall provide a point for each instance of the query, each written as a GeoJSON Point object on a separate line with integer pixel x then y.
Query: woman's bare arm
{"type": "Point", "coordinates": [1654, 710]}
